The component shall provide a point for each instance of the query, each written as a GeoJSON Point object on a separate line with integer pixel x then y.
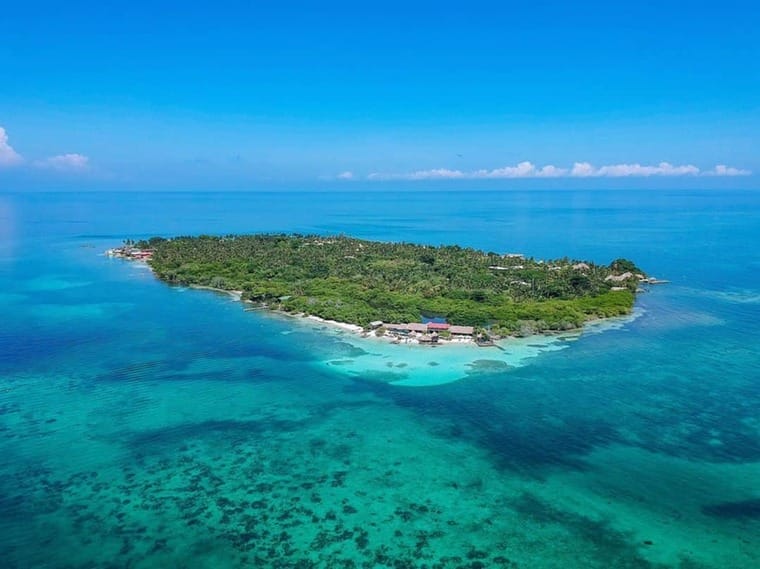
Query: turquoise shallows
{"type": "Point", "coordinates": [150, 426]}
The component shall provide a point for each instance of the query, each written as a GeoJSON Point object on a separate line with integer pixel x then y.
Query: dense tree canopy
{"type": "Point", "coordinates": [353, 280]}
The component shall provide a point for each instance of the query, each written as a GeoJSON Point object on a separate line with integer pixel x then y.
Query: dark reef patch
{"type": "Point", "coordinates": [502, 419]}
{"type": "Point", "coordinates": [612, 548]}
{"type": "Point", "coordinates": [231, 431]}
{"type": "Point", "coordinates": [743, 509]}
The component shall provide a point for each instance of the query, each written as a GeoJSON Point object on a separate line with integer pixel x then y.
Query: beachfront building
{"type": "Point", "coordinates": [417, 327]}
{"type": "Point", "coordinates": [461, 330]}
{"type": "Point", "coordinates": [428, 330]}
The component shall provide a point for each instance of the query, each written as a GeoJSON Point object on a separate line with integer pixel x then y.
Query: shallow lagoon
{"type": "Point", "coordinates": [414, 365]}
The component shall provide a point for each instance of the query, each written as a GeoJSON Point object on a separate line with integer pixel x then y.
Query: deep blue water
{"type": "Point", "coordinates": [150, 426]}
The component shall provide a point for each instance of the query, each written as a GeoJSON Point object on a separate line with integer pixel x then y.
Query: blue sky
{"type": "Point", "coordinates": [259, 95]}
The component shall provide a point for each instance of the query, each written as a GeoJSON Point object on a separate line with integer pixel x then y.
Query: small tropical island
{"type": "Point", "coordinates": [398, 289]}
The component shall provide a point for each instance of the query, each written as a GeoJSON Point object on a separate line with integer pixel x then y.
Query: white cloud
{"type": "Point", "coordinates": [637, 170]}
{"type": "Point", "coordinates": [579, 170]}
{"type": "Point", "coordinates": [551, 172]}
{"type": "Point", "coordinates": [347, 175]}
{"type": "Point", "coordinates": [586, 170]}
{"type": "Point", "coordinates": [8, 156]}
{"type": "Point", "coordinates": [522, 170]}
{"type": "Point", "coordinates": [436, 174]}
{"type": "Point", "coordinates": [65, 162]}
{"type": "Point", "coordinates": [582, 170]}
{"type": "Point", "coordinates": [723, 170]}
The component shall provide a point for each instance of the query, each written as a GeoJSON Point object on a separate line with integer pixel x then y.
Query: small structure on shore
{"type": "Point", "coordinates": [618, 278]}
{"type": "Point", "coordinates": [428, 338]}
{"type": "Point", "coordinates": [483, 340]}
{"type": "Point", "coordinates": [131, 252]}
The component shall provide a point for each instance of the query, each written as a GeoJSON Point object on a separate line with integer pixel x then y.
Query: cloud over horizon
{"type": "Point", "coordinates": [70, 162]}
{"type": "Point", "coordinates": [73, 163]}
{"type": "Point", "coordinates": [8, 156]}
{"type": "Point", "coordinates": [65, 162]}
{"type": "Point", "coordinates": [579, 170]}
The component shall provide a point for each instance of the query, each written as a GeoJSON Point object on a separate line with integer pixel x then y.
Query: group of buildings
{"type": "Point", "coordinates": [425, 332]}
{"type": "Point", "coordinates": [128, 252]}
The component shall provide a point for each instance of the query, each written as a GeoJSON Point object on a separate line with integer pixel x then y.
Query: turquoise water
{"type": "Point", "coordinates": [148, 426]}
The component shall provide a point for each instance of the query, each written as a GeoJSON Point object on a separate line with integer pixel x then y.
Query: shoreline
{"type": "Point", "coordinates": [236, 294]}
{"type": "Point", "coordinates": [593, 326]}
{"type": "Point", "coordinates": [594, 323]}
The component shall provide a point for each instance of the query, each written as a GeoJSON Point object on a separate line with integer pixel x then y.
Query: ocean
{"type": "Point", "coordinates": [148, 426]}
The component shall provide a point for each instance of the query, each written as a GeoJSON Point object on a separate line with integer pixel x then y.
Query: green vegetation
{"type": "Point", "coordinates": [357, 281]}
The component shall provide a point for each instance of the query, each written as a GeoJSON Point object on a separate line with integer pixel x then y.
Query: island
{"type": "Point", "coordinates": [431, 292]}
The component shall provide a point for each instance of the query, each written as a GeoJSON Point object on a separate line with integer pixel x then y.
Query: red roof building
{"type": "Point", "coordinates": [437, 326]}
